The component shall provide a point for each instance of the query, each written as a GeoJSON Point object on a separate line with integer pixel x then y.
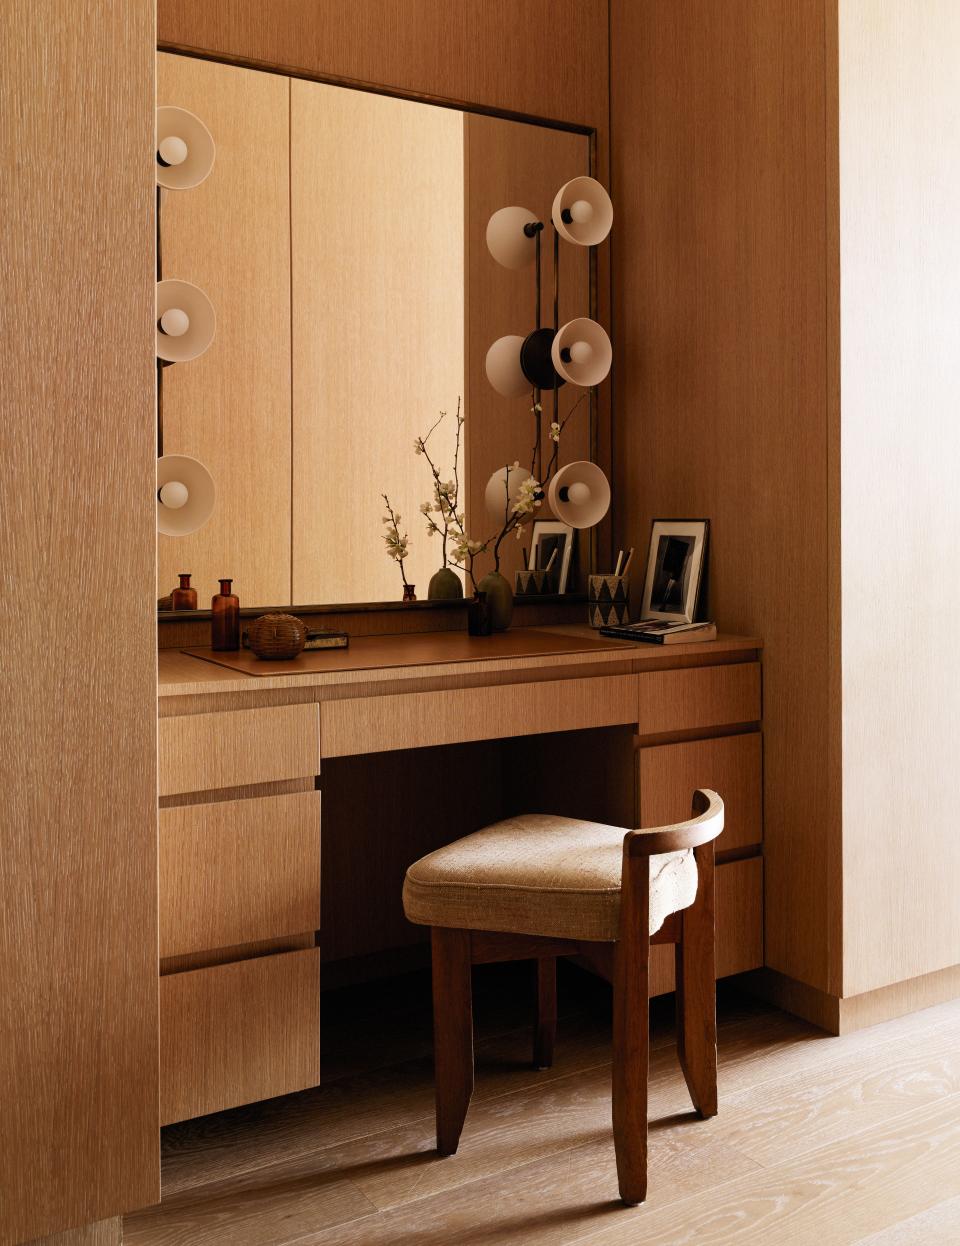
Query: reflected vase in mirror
{"type": "Point", "coordinates": [499, 594]}
{"type": "Point", "coordinates": [479, 615]}
{"type": "Point", "coordinates": [444, 586]}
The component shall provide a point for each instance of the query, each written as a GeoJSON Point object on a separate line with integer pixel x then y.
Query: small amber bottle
{"type": "Point", "coordinates": [225, 621]}
{"type": "Point", "coordinates": [184, 597]}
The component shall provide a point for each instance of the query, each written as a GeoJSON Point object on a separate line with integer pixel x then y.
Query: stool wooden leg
{"type": "Point", "coordinates": [631, 1032]}
{"type": "Point", "coordinates": [697, 992]}
{"type": "Point", "coordinates": [545, 1024]}
{"type": "Point", "coordinates": [452, 1033]}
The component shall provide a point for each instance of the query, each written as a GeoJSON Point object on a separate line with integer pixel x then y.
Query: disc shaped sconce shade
{"type": "Point", "coordinates": [579, 495]}
{"type": "Point", "coordinates": [512, 238]}
{"type": "Point", "coordinates": [582, 212]}
{"type": "Point", "coordinates": [581, 352]}
{"type": "Point", "coordinates": [185, 149]}
{"type": "Point", "coordinates": [503, 367]}
{"type": "Point", "coordinates": [186, 495]}
{"type": "Point", "coordinates": [503, 489]}
{"type": "Point", "coordinates": [186, 321]}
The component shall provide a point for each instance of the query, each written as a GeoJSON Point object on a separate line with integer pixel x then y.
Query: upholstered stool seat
{"type": "Point", "coordinates": [540, 874]}
{"type": "Point", "coordinates": [541, 886]}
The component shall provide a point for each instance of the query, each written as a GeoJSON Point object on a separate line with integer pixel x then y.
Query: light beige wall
{"type": "Point", "coordinates": [900, 353]}
{"type": "Point", "coordinates": [378, 334]}
{"type": "Point", "coordinates": [78, 837]}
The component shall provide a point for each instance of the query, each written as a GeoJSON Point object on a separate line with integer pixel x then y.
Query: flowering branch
{"type": "Point", "coordinates": [445, 492]}
{"type": "Point", "coordinates": [397, 545]}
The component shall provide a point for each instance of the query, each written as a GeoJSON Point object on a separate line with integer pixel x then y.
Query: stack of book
{"type": "Point", "coordinates": [660, 632]}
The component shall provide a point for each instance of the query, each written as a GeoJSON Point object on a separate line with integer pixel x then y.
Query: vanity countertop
{"type": "Point", "coordinates": [422, 655]}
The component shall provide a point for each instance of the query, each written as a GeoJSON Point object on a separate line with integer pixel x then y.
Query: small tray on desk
{"type": "Point", "coordinates": [412, 649]}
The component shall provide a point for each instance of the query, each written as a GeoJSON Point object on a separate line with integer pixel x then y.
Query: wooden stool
{"type": "Point", "coordinates": [541, 886]}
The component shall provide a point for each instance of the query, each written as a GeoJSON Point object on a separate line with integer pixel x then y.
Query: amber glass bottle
{"type": "Point", "coordinates": [184, 597]}
{"type": "Point", "coordinates": [225, 622]}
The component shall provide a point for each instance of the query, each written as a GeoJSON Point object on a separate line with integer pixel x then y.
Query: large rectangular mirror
{"type": "Point", "coordinates": [341, 240]}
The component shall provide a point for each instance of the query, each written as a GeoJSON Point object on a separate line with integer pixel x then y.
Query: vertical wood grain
{"type": "Point", "coordinates": [720, 373]}
{"type": "Point", "coordinates": [378, 308]}
{"type": "Point", "coordinates": [900, 516]}
{"type": "Point", "coordinates": [546, 58]}
{"type": "Point", "coordinates": [231, 407]}
{"type": "Point", "coordinates": [78, 842]}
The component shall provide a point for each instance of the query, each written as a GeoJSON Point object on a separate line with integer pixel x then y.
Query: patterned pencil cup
{"type": "Point", "coordinates": [530, 583]}
{"type": "Point", "coordinates": [608, 600]}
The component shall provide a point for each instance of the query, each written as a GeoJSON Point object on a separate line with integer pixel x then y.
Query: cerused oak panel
{"type": "Point", "coordinates": [718, 117]}
{"type": "Point", "coordinates": [421, 719]}
{"type": "Point", "coordinates": [547, 58]}
{"type": "Point", "coordinates": [239, 871]}
{"type": "Point", "coordinates": [377, 295]}
{"type": "Point", "coordinates": [235, 1033]}
{"type": "Point", "coordinates": [231, 407]}
{"type": "Point", "coordinates": [78, 993]}
{"type": "Point", "coordinates": [200, 752]}
{"type": "Point", "coordinates": [711, 696]}
{"type": "Point", "coordinates": [730, 765]}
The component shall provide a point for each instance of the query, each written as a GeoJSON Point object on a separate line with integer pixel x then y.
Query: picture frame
{"type": "Point", "coordinates": [550, 535]}
{"type": "Point", "coordinates": [676, 562]}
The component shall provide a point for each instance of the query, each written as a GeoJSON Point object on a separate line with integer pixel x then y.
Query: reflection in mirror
{"type": "Point", "coordinates": [341, 240]}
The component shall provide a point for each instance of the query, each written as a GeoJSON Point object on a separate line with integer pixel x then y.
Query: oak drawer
{"type": "Point", "coordinates": [730, 765]}
{"type": "Point", "coordinates": [699, 697]}
{"type": "Point", "coordinates": [739, 925]}
{"type": "Point", "coordinates": [239, 1032]}
{"type": "Point", "coordinates": [201, 752]}
{"type": "Point", "coordinates": [239, 871]}
{"type": "Point", "coordinates": [421, 719]}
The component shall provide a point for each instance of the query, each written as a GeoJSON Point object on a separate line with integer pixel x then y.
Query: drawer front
{"type": "Point", "coordinates": [699, 697]}
{"type": "Point", "coordinates": [239, 1032]}
{"type": "Point", "coordinates": [201, 752]}
{"type": "Point", "coordinates": [421, 719]}
{"type": "Point", "coordinates": [239, 871]}
{"type": "Point", "coordinates": [739, 926]}
{"type": "Point", "coordinates": [731, 765]}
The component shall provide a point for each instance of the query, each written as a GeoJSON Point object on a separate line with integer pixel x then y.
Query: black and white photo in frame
{"type": "Point", "coordinates": [552, 546]}
{"type": "Point", "coordinates": [675, 566]}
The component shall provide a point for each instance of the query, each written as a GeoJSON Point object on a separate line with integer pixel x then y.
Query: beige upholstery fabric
{"type": "Point", "coordinates": [540, 874]}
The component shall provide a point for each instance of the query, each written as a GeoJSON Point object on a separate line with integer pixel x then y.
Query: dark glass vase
{"type": "Point", "coordinates": [184, 597]}
{"type": "Point", "coordinates": [409, 593]}
{"type": "Point", "coordinates": [479, 616]}
{"type": "Point", "coordinates": [225, 621]}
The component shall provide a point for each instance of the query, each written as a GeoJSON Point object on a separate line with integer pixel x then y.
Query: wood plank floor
{"type": "Point", "coordinates": [851, 1141]}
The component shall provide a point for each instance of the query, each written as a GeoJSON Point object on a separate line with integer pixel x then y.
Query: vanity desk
{"type": "Point", "coordinates": [292, 799]}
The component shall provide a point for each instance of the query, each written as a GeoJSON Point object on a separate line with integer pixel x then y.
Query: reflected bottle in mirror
{"type": "Point", "coordinates": [184, 597]}
{"type": "Point", "coordinates": [225, 619]}
{"type": "Point", "coordinates": [479, 616]}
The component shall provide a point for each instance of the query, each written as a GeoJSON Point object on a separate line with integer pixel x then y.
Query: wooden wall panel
{"type": "Point", "coordinates": [378, 336]}
{"type": "Point", "coordinates": [78, 841]}
{"type": "Point", "coordinates": [900, 358]}
{"type": "Point", "coordinates": [720, 378]}
{"type": "Point", "coordinates": [546, 58]}
{"type": "Point", "coordinates": [231, 407]}
{"type": "Point", "coordinates": [508, 163]}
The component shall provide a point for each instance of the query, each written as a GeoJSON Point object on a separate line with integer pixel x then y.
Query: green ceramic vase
{"type": "Point", "coordinates": [500, 597]}
{"type": "Point", "coordinates": [445, 585]}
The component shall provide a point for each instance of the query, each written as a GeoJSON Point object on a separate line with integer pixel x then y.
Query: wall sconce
{"type": "Point", "coordinates": [548, 357]}
{"type": "Point", "coordinates": [186, 321]}
{"type": "Point", "coordinates": [579, 494]}
{"type": "Point", "coordinates": [185, 149]}
{"type": "Point", "coordinates": [186, 495]}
